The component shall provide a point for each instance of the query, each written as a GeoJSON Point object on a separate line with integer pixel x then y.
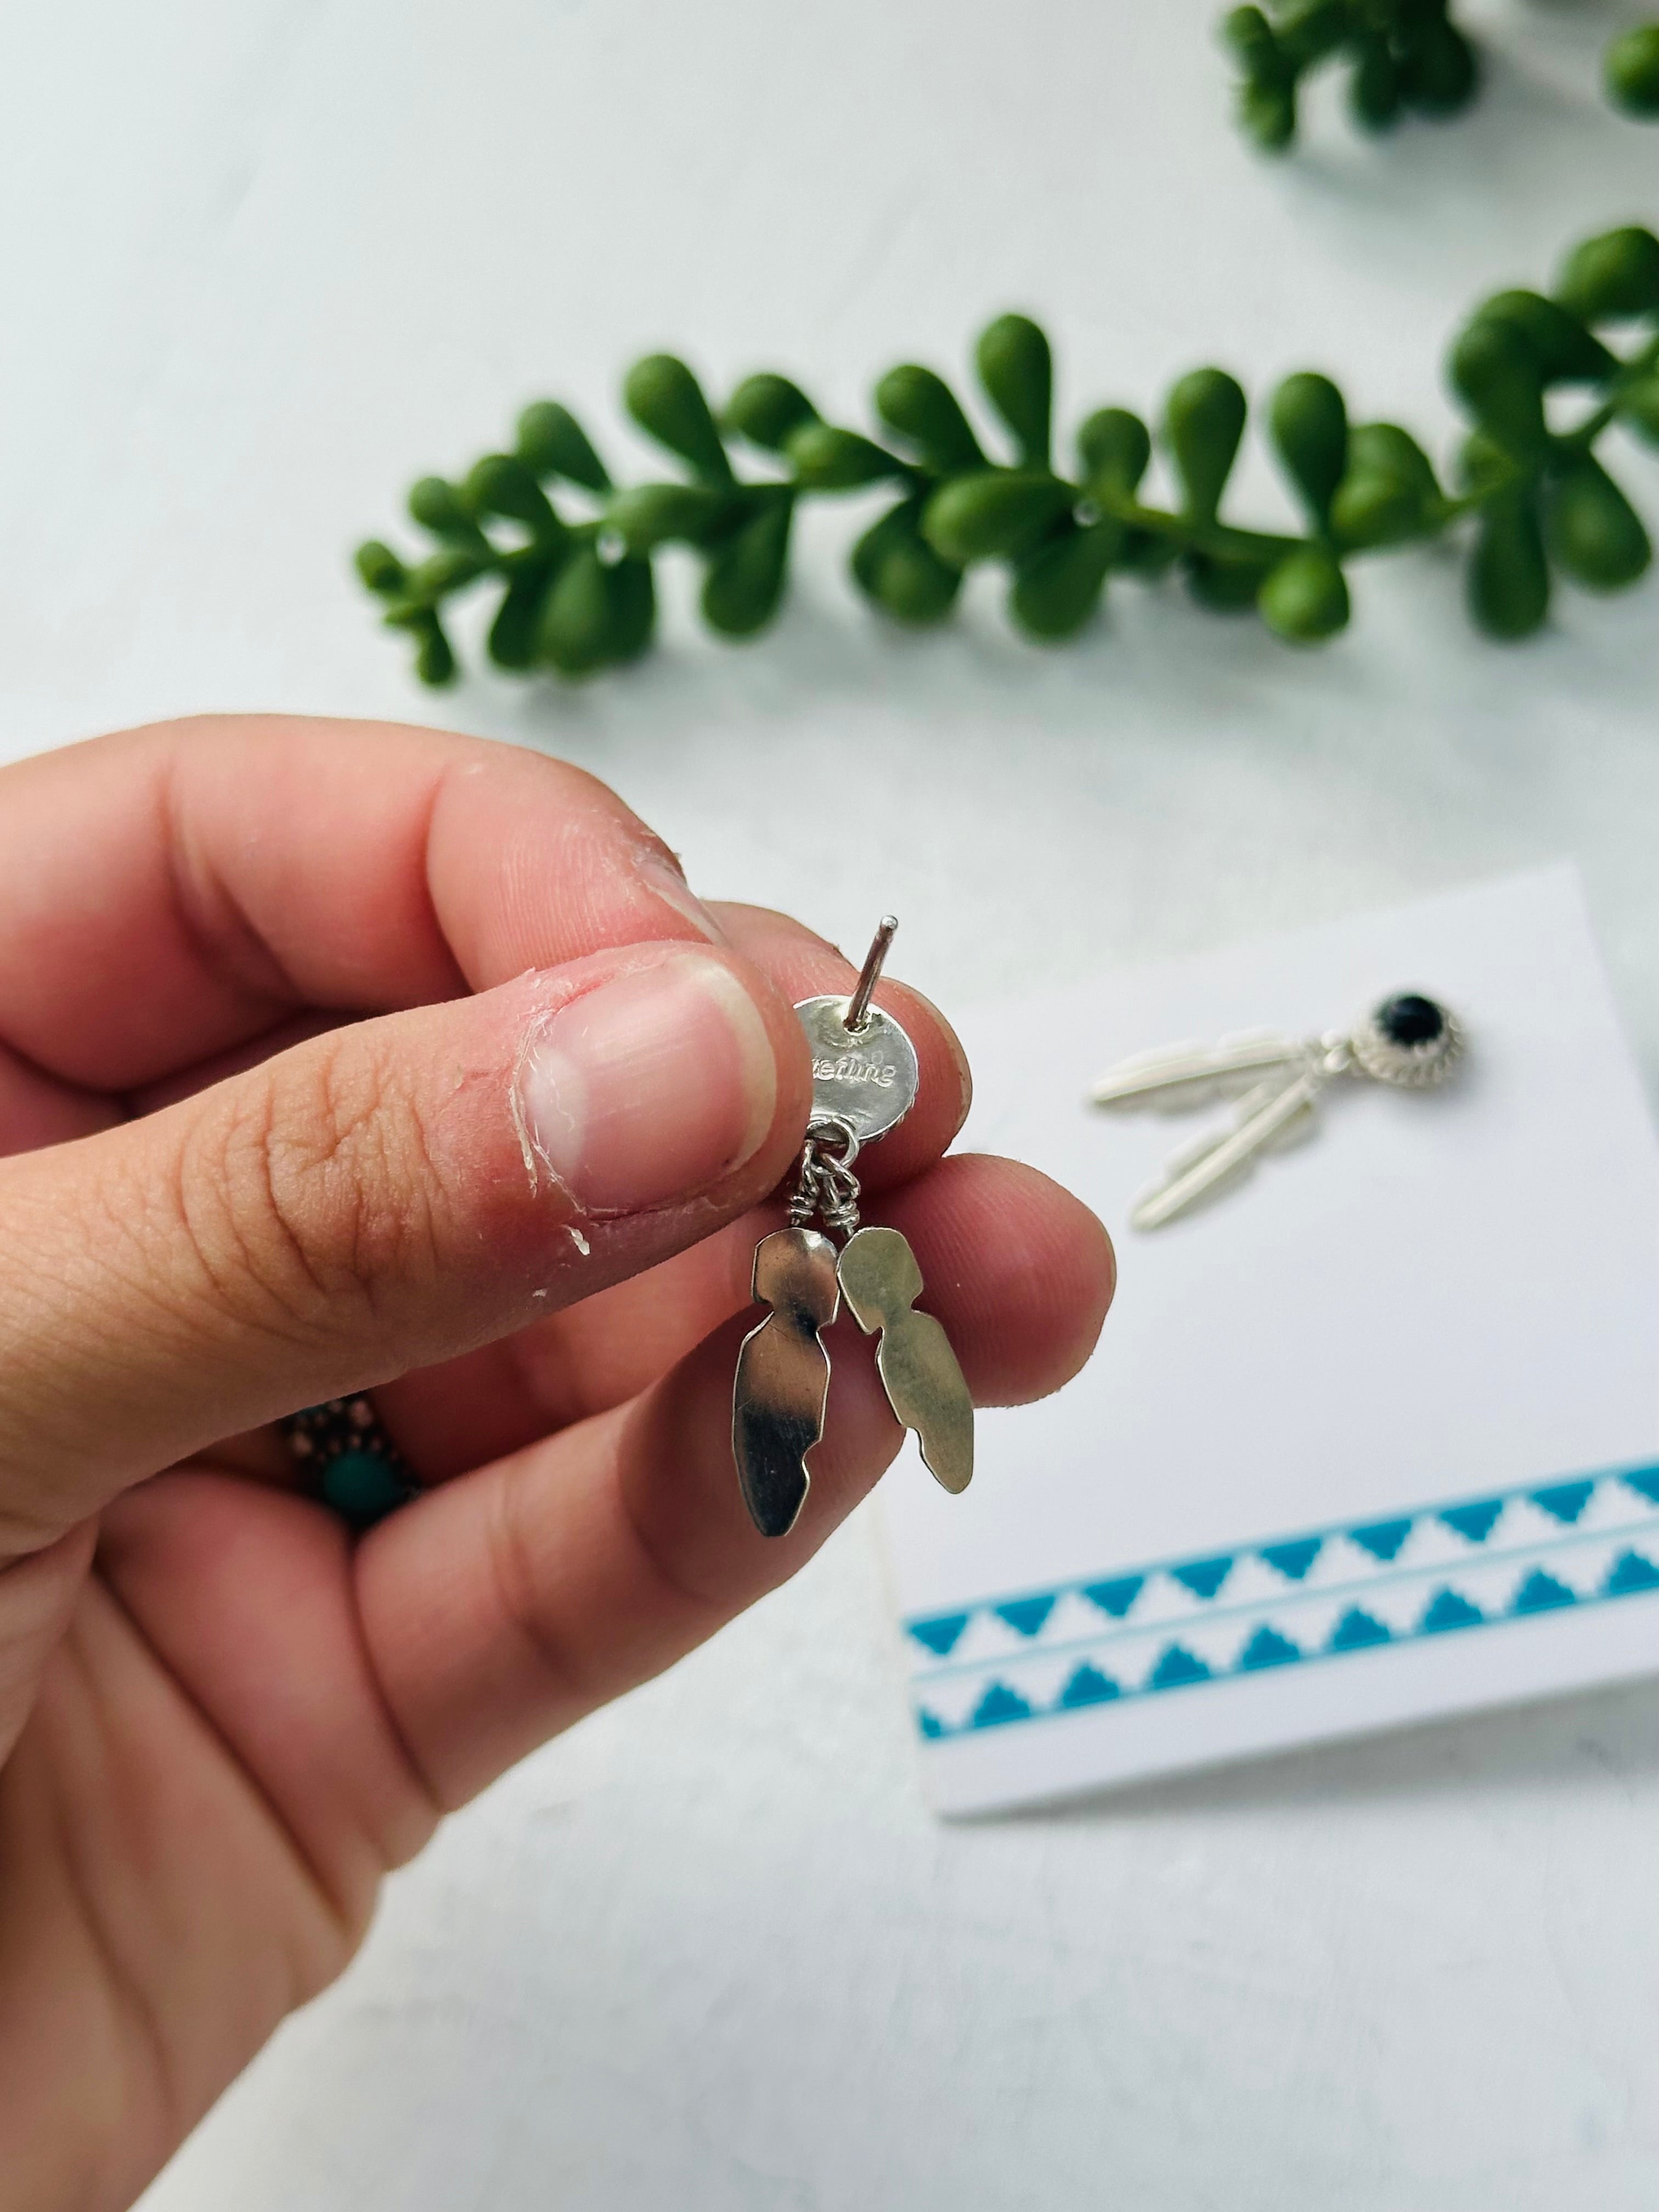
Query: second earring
{"type": "Point", "coordinates": [864, 1079]}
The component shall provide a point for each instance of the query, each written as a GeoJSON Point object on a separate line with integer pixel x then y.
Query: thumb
{"type": "Point", "coordinates": [382, 1197]}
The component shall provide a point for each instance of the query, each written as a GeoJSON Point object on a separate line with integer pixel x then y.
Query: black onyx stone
{"type": "Point", "coordinates": [1410, 1019]}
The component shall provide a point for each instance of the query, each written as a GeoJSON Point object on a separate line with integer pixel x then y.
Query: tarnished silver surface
{"type": "Point", "coordinates": [864, 1079]}
{"type": "Point", "coordinates": [783, 1376]}
{"type": "Point", "coordinates": [881, 1281]}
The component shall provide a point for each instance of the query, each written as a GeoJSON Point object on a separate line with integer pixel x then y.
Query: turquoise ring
{"type": "Point", "coordinates": [349, 1460]}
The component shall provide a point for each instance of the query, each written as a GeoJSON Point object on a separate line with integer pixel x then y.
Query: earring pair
{"type": "Point", "coordinates": [865, 1080]}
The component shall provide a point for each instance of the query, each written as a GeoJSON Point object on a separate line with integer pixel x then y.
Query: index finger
{"type": "Point", "coordinates": [169, 893]}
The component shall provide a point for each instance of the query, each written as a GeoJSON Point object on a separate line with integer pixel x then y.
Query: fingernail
{"type": "Point", "coordinates": [649, 1087]}
{"type": "Point", "coordinates": [662, 878]}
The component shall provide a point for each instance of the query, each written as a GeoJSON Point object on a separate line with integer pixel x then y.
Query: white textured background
{"type": "Point", "coordinates": [261, 265]}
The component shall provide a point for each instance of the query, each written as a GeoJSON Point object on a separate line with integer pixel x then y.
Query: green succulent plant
{"type": "Point", "coordinates": [1630, 71]}
{"type": "Point", "coordinates": [1527, 491]}
{"type": "Point", "coordinates": [1403, 58]}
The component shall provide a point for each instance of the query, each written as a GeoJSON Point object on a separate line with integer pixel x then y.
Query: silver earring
{"type": "Point", "coordinates": [1410, 1041]}
{"type": "Point", "coordinates": [865, 1079]}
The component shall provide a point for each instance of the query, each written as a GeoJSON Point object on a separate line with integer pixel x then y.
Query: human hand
{"type": "Point", "coordinates": [335, 1058]}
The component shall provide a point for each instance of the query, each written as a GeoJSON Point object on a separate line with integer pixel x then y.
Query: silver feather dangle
{"type": "Point", "coordinates": [881, 1283]}
{"type": "Point", "coordinates": [1409, 1041]}
{"type": "Point", "coordinates": [783, 1375]}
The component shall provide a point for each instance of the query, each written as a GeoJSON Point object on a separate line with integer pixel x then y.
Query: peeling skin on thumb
{"type": "Point", "coordinates": [645, 1089]}
{"type": "Point", "coordinates": [533, 1059]}
{"type": "Point", "coordinates": [536, 1161]}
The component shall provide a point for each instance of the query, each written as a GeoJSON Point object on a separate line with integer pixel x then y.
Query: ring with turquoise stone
{"type": "Point", "coordinates": [349, 1460]}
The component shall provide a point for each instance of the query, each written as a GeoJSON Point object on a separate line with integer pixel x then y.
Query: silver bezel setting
{"type": "Point", "coordinates": [1409, 1066]}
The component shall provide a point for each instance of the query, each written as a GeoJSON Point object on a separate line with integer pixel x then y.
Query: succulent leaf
{"type": "Point", "coordinates": [745, 579]}
{"type": "Point", "coordinates": [920, 408]}
{"type": "Point", "coordinates": [1509, 578]}
{"type": "Point", "coordinates": [1308, 424]}
{"type": "Point", "coordinates": [667, 402]}
{"type": "Point", "coordinates": [767, 409]}
{"type": "Point", "coordinates": [1057, 587]}
{"type": "Point", "coordinates": [1304, 598]}
{"type": "Point", "coordinates": [994, 513]}
{"type": "Point", "coordinates": [1016, 369]}
{"type": "Point", "coordinates": [1203, 424]}
{"type": "Point", "coordinates": [551, 442]}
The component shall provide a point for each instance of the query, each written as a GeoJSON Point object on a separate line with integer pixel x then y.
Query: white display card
{"type": "Point", "coordinates": [1373, 1438]}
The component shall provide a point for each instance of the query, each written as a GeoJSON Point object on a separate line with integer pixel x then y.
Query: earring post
{"type": "Point", "coordinates": [858, 1006]}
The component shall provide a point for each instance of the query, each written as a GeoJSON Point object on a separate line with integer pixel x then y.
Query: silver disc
{"type": "Point", "coordinates": [867, 1080]}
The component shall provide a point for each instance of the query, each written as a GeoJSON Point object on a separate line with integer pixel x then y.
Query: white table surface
{"type": "Point", "coordinates": [263, 265]}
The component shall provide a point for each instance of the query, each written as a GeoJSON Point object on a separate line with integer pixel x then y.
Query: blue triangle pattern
{"type": "Point", "coordinates": [999, 1703]}
{"type": "Point", "coordinates": [1383, 1539]}
{"type": "Point", "coordinates": [1203, 1578]}
{"type": "Point", "coordinates": [1475, 1522]}
{"type": "Point", "coordinates": [939, 1636]}
{"type": "Point", "coordinates": [1630, 1572]}
{"type": "Point", "coordinates": [1268, 1648]}
{"type": "Point", "coordinates": [1565, 1501]}
{"type": "Point", "coordinates": [1027, 1615]}
{"type": "Point", "coordinates": [1177, 1666]}
{"type": "Point", "coordinates": [1633, 1571]}
{"type": "Point", "coordinates": [1448, 1610]}
{"type": "Point", "coordinates": [1115, 1597]}
{"type": "Point", "coordinates": [1540, 1592]}
{"type": "Point", "coordinates": [1293, 1559]}
{"type": "Point", "coordinates": [1357, 1631]}
{"type": "Point", "coordinates": [1088, 1686]}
